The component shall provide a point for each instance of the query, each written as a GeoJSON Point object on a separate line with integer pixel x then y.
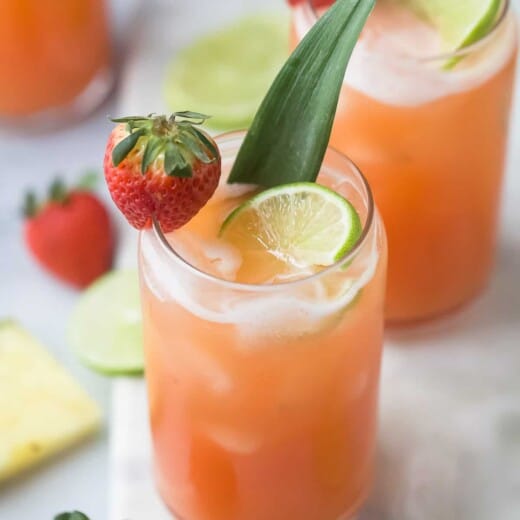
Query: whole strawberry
{"type": "Point", "coordinates": [161, 168]}
{"type": "Point", "coordinates": [70, 234]}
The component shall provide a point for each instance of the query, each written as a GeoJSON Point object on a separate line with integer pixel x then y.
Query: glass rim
{"type": "Point", "coordinates": [446, 56]}
{"type": "Point", "coordinates": [233, 136]}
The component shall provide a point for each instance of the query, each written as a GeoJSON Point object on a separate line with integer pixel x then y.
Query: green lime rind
{"type": "Point", "coordinates": [460, 23]}
{"type": "Point", "coordinates": [303, 222]}
{"type": "Point", "coordinates": [105, 329]}
{"type": "Point", "coordinates": [482, 27]}
{"type": "Point", "coordinates": [116, 371]}
{"type": "Point", "coordinates": [226, 74]}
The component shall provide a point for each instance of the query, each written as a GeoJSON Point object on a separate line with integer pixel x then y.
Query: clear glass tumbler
{"type": "Point", "coordinates": [55, 61]}
{"type": "Point", "coordinates": [430, 134]}
{"type": "Point", "coordinates": [263, 398]}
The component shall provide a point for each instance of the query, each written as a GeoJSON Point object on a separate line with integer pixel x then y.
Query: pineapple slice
{"type": "Point", "coordinates": [42, 409]}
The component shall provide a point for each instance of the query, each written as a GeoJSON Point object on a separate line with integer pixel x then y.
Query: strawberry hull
{"type": "Point", "coordinates": [164, 170]}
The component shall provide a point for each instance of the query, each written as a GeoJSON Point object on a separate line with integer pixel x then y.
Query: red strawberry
{"type": "Point", "coordinates": [70, 234]}
{"type": "Point", "coordinates": [161, 168]}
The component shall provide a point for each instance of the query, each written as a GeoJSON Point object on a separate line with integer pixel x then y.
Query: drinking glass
{"type": "Point", "coordinates": [263, 398]}
{"type": "Point", "coordinates": [430, 134]}
{"type": "Point", "coordinates": [55, 62]}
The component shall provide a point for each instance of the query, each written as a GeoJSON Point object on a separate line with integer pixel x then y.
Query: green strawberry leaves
{"type": "Point", "coordinates": [58, 192]}
{"type": "Point", "coordinates": [124, 147]}
{"type": "Point", "coordinates": [88, 181]}
{"type": "Point", "coordinates": [74, 515]}
{"type": "Point", "coordinates": [209, 143]}
{"type": "Point", "coordinates": [175, 163]}
{"type": "Point", "coordinates": [152, 150]}
{"type": "Point", "coordinates": [30, 205]}
{"type": "Point", "coordinates": [192, 143]}
{"type": "Point", "coordinates": [290, 133]}
{"type": "Point", "coordinates": [188, 114]}
{"type": "Point", "coordinates": [179, 142]}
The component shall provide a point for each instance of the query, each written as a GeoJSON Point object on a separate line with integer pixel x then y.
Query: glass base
{"type": "Point", "coordinates": [58, 117]}
{"type": "Point", "coordinates": [352, 514]}
{"type": "Point", "coordinates": [177, 517]}
{"type": "Point", "coordinates": [349, 516]}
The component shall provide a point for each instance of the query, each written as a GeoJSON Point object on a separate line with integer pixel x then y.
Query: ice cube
{"type": "Point", "coordinates": [235, 441]}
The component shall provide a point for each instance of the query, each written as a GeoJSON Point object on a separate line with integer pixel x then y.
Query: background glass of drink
{"type": "Point", "coordinates": [54, 60]}
{"type": "Point", "coordinates": [431, 140]}
{"type": "Point", "coordinates": [263, 398]}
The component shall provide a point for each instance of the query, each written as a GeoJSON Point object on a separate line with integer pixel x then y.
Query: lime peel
{"type": "Point", "coordinates": [302, 224]}
{"type": "Point", "coordinates": [460, 23]}
{"type": "Point", "coordinates": [226, 74]}
{"type": "Point", "coordinates": [105, 329]}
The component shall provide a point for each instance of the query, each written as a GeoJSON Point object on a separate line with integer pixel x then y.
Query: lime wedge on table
{"type": "Point", "coordinates": [294, 227]}
{"type": "Point", "coordinates": [105, 328]}
{"type": "Point", "coordinates": [227, 74]}
{"type": "Point", "coordinates": [460, 22]}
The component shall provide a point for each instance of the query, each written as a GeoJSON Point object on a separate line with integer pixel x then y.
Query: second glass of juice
{"type": "Point", "coordinates": [263, 397]}
{"type": "Point", "coordinates": [55, 60]}
{"type": "Point", "coordinates": [429, 130]}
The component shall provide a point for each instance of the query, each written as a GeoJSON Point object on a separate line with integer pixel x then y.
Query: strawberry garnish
{"type": "Point", "coordinates": [70, 234]}
{"type": "Point", "coordinates": [162, 168]}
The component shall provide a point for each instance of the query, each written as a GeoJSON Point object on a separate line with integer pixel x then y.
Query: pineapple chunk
{"type": "Point", "coordinates": [42, 409]}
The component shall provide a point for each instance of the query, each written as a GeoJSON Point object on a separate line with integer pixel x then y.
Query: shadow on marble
{"type": "Point", "coordinates": [449, 442]}
{"type": "Point", "coordinates": [495, 309]}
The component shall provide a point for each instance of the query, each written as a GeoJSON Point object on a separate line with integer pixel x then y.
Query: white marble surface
{"type": "Point", "coordinates": [470, 466]}
{"type": "Point", "coordinates": [78, 479]}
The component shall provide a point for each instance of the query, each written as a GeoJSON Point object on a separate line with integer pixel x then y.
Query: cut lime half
{"type": "Point", "coordinates": [105, 328]}
{"type": "Point", "coordinates": [460, 22]}
{"type": "Point", "coordinates": [227, 74]}
{"type": "Point", "coordinates": [292, 228]}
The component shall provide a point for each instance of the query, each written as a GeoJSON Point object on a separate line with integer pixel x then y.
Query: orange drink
{"type": "Point", "coordinates": [54, 57]}
{"type": "Point", "coordinates": [430, 133]}
{"type": "Point", "coordinates": [263, 391]}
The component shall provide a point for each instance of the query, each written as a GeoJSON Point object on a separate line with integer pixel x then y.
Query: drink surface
{"type": "Point", "coordinates": [49, 52]}
{"type": "Point", "coordinates": [263, 398]}
{"type": "Point", "coordinates": [395, 62]}
{"type": "Point", "coordinates": [200, 244]}
{"type": "Point", "coordinates": [431, 142]}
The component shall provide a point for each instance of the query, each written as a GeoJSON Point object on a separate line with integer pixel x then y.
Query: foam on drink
{"type": "Point", "coordinates": [311, 305]}
{"type": "Point", "coordinates": [395, 59]}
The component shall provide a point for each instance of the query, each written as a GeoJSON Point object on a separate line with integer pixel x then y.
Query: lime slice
{"type": "Point", "coordinates": [227, 74]}
{"type": "Point", "coordinates": [105, 328]}
{"type": "Point", "coordinates": [460, 22]}
{"type": "Point", "coordinates": [291, 229]}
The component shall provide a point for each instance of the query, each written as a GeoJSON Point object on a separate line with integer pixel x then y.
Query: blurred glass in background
{"type": "Point", "coordinates": [55, 61]}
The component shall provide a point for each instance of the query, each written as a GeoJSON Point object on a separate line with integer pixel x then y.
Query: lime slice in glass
{"type": "Point", "coordinates": [460, 22]}
{"type": "Point", "coordinates": [105, 328]}
{"type": "Point", "coordinates": [289, 230]}
{"type": "Point", "coordinates": [227, 74]}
